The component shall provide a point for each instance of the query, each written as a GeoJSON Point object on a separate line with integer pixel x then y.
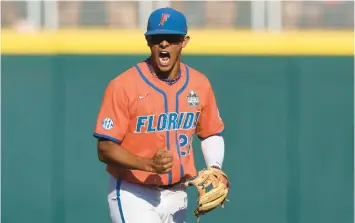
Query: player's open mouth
{"type": "Point", "coordinates": [164, 58]}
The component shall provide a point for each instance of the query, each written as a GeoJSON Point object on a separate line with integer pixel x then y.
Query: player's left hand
{"type": "Point", "coordinates": [217, 195]}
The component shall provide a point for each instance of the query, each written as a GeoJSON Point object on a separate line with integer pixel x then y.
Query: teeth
{"type": "Point", "coordinates": [164, 52]}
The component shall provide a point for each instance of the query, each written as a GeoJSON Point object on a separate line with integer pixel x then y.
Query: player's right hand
{"type": "Point", "coordinates": [162, 161]}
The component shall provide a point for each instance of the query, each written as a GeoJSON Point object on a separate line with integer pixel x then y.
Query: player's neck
{"type": "Point", "coordinates": [169, 75]}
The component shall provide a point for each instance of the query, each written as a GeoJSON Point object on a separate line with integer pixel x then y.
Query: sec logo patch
{"type": "Point", "coordinates": [107, 124]}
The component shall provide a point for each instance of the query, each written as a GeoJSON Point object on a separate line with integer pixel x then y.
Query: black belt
{"type": "Point", "coordinates": [169, 185]}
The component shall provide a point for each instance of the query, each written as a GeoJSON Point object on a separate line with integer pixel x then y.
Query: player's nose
{"type": "Point", "coordinates": [164, 44]}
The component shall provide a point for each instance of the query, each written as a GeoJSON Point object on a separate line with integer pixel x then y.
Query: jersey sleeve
{"type": "Point", "coordinates": [210, 123]}
{"type": "Point", "coordinates": [113, 118]}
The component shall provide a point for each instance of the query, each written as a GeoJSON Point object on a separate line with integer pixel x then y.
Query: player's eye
{"type": "Point", "coordinates": [172, 39]}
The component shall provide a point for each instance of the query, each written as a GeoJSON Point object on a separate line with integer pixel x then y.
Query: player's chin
{"type": "Point", "coordinates": [165, 67]}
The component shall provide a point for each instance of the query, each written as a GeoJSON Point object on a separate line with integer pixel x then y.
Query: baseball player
{"type": "Point", "coordinates": [145, 125]}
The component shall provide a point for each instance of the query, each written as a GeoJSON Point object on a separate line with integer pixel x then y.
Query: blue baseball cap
{"type": "Point", "coordinates": [166, 21]}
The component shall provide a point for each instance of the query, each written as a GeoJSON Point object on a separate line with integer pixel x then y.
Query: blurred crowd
{"type": "Point", "coordinates": [325, 14]}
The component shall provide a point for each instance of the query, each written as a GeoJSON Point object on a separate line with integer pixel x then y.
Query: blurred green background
{"type": "Point", "coordinates": [289, 119]}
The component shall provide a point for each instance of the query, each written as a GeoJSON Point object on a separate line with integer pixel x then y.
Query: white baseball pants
{"type": "Point", "coordinates": [132, 203]}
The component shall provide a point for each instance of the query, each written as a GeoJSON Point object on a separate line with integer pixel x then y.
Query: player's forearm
{"type": "Point", "coordinates": [113, 154]}
{"type": "Point", "coordinates": [213, 150]}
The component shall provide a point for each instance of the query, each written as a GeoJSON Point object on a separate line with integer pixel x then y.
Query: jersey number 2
{"type": "Point", "coordinates": [185, 144]}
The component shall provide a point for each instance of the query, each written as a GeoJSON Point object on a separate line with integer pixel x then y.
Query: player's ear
{"type": "Point", "coordinates": [185, 41]}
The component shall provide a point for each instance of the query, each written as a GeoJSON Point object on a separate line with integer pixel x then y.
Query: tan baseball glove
{"type": "Point", "coordinates": [209, 200]}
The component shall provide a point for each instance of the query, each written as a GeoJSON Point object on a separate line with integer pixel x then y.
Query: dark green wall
{"type": "Point", "coordinates": [289, 137]}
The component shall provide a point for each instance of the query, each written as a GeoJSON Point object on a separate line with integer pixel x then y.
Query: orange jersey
{"type": "Point", "coordinates": [143, 113]}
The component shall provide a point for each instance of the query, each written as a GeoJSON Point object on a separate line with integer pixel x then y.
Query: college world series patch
{"type": "Point", "coordinates": [192, 99]}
